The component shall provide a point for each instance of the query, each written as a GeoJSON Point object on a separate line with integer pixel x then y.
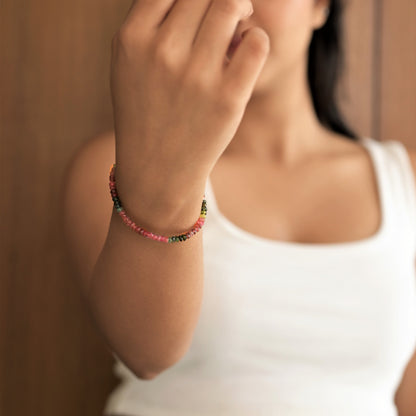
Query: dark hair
{"type": "Point", "coordinates": [326, 63]}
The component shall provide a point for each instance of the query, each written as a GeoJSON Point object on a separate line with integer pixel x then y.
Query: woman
{"type": "Point", "coordinates": [298, 296]}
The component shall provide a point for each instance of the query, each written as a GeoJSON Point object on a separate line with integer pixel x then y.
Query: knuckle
{"type": "Point", "coordinates": [230, 7]}
{"type": "Point", "coordinates": [162, 53]}
{"type": "Point", "coordinates": [127, 35]}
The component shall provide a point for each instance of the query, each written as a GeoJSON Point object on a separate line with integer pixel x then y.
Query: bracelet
{"type": "Point", "coordinates": [130, 223]}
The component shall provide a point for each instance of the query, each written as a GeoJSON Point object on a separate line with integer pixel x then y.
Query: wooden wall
{"type": "Point", "coordinates": [396, 63]}
{"type": "Point", "coordinates": [55, 95]}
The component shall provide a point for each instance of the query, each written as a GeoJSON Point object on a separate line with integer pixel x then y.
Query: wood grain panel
{"type": "Point", "coordinates": [54, 95]}
{"type": "Point", "coordinates": [357, 87]}
{"type": "Point", "coordinates": [397, 116]}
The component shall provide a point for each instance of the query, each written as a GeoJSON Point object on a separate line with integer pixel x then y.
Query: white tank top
{"type": "Point", "coordinates": [296, 329]}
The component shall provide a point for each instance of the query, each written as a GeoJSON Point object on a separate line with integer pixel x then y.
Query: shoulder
{"type": "Point", "coordinates": [95, 153]}
{"type": "Point", "coordinates": [85, 202]}
{"type": "Point", "coordinates": [101, 145]}
{"type": "Point", "coordinates": [89, 164]}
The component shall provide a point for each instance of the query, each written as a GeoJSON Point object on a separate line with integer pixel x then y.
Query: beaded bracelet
{"type": "Point", "coordinates": [130, 223]}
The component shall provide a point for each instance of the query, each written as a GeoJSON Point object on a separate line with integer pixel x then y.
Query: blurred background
{"type": "Point", "coordinates": [54, 95]}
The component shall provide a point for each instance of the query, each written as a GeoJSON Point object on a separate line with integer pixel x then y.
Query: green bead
{"type": "Point", "coordinates": [119, 209]}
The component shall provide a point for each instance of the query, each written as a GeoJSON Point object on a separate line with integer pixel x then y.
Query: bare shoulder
{"type": "Point", "coordinates": [86, 205]}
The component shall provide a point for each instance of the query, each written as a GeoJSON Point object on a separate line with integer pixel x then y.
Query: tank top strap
{"type": "Point", "coordinates": [396, 186]}
{"type": "Point", "coordinates": [399, 182]}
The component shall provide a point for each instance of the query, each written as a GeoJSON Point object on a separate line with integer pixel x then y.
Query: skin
{"type": "Point", "coordinates": [280, 146]}
{"type": "Point", "coordinates": [280, 128]}
{"type": "Point", "coordinates": [280, 113]}
{"type": "Point", "coordinates": [281, 138]}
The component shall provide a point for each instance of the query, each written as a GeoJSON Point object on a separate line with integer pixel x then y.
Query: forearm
{"type": "Point", "coordinates": [145, 295]}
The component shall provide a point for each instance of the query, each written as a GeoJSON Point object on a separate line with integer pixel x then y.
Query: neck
{"type": "Point", "coordinates": [279, 123]}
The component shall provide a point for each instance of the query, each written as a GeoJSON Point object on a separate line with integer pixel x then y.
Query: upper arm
{"type": "Point", "coordinates": [86, 204]}
{"type": "Point", "coordinates": [405, 397]}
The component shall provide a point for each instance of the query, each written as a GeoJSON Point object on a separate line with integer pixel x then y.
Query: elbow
{"type": "Point", "coordinates": [149, 372]}
{"type": "Point", "coordinates": [147, 366]}
{"type": "Point", "coordinates": [148, 375]}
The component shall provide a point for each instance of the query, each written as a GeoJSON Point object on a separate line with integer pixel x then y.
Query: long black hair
{"type": "Point", "coordinates": [325, 66]}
